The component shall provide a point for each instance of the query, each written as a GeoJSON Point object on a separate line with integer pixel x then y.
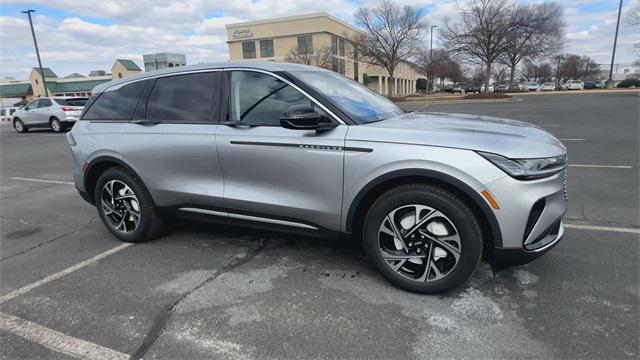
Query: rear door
{"type": "Point", "coordinates": [171, 140]}
{"type": "Point", "coordinates": [273, 174]}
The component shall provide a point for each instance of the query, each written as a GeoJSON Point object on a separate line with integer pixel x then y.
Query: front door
{"type": "Point", "coordinates": [275, 173]}
{"type": "Point", "coordinates": [28, 115]}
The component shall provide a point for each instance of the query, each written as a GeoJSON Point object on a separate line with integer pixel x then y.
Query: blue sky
{"type": "Point", "coordinates": [83, 35]}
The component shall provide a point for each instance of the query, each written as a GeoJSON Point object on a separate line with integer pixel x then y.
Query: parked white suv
{"type": "Point", "coordinates": [56, 113]}
{"type": "Point", "coordinates": [575, 85]}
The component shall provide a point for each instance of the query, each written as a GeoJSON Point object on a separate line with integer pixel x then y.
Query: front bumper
{"type": "Point", "coordinates": [530, 217]}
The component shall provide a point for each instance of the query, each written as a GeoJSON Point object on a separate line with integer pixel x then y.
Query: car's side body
{"type": "Point", "coordinates": [321, 182]}
{"type": "Point", "coordinates": [575, 85]}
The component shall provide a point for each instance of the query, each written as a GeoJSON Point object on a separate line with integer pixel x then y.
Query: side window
{"type": "Point", "coordinates": [260, 99]}
{"type": "Point", "coordinates": [32, 105]}
{"type": "Point", "coordinates": [249, 50]}
{"type": "Point", "coordinates": [44, 103]}
{"type": "Point", "coordinates": [188, 98]}
{"type": "Point", "coordinates": [117, 104]}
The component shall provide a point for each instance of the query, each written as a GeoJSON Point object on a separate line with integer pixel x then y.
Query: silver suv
{"type": "Point", "coordinates": [303, 149]}
{"type": "Point", "coordinates": [56, 113]}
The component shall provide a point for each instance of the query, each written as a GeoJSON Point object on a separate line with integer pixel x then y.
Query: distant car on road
{"type": "Point", "coordinates": [575, 85]}
{"type": "Point", "coordinates": [56, 113]}
{"type": "Point", "coordinates": [548, 86]}
{"type": "Point", "coordinates": [532, 86]}
{"type": "Point", "coordinates": [502, 88]}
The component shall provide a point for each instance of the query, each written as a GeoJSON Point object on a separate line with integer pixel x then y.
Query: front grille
{"type": "Point", "coordinates": [564, 186]}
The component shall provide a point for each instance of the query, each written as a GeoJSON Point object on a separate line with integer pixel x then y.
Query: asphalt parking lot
{"type": "Point", "coordinates": [69, 289]}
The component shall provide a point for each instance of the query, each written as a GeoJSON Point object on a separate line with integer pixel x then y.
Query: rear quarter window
{"type": "Point", "coordinates": [115, 105]}
{"type": "Point", "coordinates": [185, 98]}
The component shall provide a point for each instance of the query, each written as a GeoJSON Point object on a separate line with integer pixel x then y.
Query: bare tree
{"type": "Point", "coordinates": [537, 31]}
{"type": "Point", "coordinates": [634, 20]}
{"type": "Point", "coordinates": [577, 67]}
{"type": "Point", "coordinates": [440, 65]}
{"type": "Point", "coordinates": [391, 34]}
{"type": "Point", "coordinates": [321, 57]}
{"type": "Point", "coordinates": [500, 74]}
{"type": "Point", "coordinates": [481, 33]}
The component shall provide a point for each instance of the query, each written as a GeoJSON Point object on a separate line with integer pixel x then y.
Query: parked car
{"type": "Point", "coordinates": [457, 88]}
{"type": "Point", "coordinates": [548, 86]}
{"type": "Point", "coordinates": [522, 86]}
{"type": "Point", "coordinates": [56, 113]}
{"type": "Point", "coordinates": [6, 112]}
{"type": "Point", "coordinates": [300, 148]}
{"type": "Point", "coordinates": [502, 88]}
{"type": "Point", "coordinates": [532, 86]}
{"type": "Point", "coordinates": [491, 88]}
{"type": "Point", "coordinates": [589, 84]}
{"type": "Point", "coordinates": [471, 88]}
{"type": "Point", "coordinates": [600, 84]}
{"type": "Point", "coordinates": [575, 85]}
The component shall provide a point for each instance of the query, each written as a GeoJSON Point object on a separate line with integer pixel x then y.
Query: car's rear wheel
{"type": "Point", "coordinates": [19, 126]}
{"type": "Point", "coordinates": [56, 125]}
{"type": "Point", "coordinates": [125, 207]}
{"type": "Point", "coordinates": [423, 238]}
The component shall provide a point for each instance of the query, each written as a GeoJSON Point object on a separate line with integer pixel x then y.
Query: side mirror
{"type": "Point", "coordinates": [303, 117]}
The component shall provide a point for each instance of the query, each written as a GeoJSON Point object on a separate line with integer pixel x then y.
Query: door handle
{"type": "Point", "coordinates": [236, 124]}
{"type": "Point", "coordinates": [145, 122]}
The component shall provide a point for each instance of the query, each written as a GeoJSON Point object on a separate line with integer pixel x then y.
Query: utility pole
{"type": "Point", "coordinates": [35, 42]}
{"type": "Point", "coordinates": [615, 42]}
{"type": "Point", "coordinates": [431, 58]}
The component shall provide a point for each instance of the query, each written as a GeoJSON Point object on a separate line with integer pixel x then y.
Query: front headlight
{"type": "Point", "coordinates": [528, 169]}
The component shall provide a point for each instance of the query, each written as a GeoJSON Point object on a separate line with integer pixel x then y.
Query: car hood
{"type": "Point", "coordinates": [511, 138]}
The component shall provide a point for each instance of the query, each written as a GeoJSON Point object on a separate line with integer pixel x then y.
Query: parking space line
{"type": "Point", "coordinates": [42, 180]}
{"type": "Point", "coordinates": [602, 166]}
{"type": "Point", "coordinates": [603, 228]}
{"type": "Point", "coordinates": [56, 340]}
{"type": "Point", "coordinates": [62, 273]}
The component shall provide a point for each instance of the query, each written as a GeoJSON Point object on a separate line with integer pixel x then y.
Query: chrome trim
{"type": "Point", "coordinates": [248, 217]}
{"type": "Point", "coordinates": [552, 243]}
{"type": "Point", "coordinates": [290, 84]}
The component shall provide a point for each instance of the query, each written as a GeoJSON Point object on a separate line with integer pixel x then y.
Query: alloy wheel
{"type": "Point", "coordinates": [19, 126]}
{"type": "Point", "coordinates": [419, 243]}
{"type": "Point", "coordinates": [56, 125]}
{"type": "Point", "coordinates": [120, 206]}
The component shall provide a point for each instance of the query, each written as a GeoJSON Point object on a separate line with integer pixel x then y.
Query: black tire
{"type": "Point", "coordinates": [453, 208]}
{"type": "Point", "coordinates": [19, 126]}
{"type": "Point", "coordinates": [56, 125]}
{"type": "Point", "coordinates": [150, 223]}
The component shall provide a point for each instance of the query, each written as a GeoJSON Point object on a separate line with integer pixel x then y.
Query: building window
{"type": "Point", "coordinates": [305, 44]}
{"type": "Point", "coordinates": [119, 75]}
{"type": "Point", "coordinates": [266, 48]}
{"type": "Point", "coordinates": [356, 69]}
{"type": "Point", "coordinates": [337, 51]}
{"type": "Point", "coordinates": [249, 50]}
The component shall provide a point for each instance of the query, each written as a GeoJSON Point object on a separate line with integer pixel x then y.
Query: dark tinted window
{"type": "Point", "coordinates": [260, 99]}
{"type": "Point", "coordinates": [116, 105]}
{"type": "Point", "coordinates": [190, 97]}
{"type": "Point", "coordinates": [266, 48]}
{"type": "Point", "coordinates": [44, 103]}
{"type": "Point", "coordinates": [249, 50]}
{"type": "Point", "coordinates": [72, 101]}
{"type": "Point", "coordinates": [305, 44]}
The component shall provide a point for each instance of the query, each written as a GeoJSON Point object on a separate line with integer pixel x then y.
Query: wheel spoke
{"type": "Point", "coordinates": [441, 241]}
{"type": "Point", "coordinates": [398, 255]}
{"type": "Point", "coordinates": [423, 221]}
{"type": "Point", "coordinates": [397, 233]}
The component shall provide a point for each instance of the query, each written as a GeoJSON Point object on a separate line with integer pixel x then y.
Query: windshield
{"type": "Point", "coordinates": [71, 101]}
{"type": "Point", "coordinates": [358, 102]}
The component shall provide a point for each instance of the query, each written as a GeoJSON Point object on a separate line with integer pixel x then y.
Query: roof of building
{"type": "Point", "coordinates": [74, 76]}
{"type": "Point", "coordinates": [74, 86]}
{"type": "Point", "coordinates": [292, 18]}
{"type": "Point", "coordinates": [47, 72]}
{"type": "Point", "coordinates": [251, 64]}
{"type": "Point", "coordinates": [129, 64]}
{"type": "Point", "coordinates": [15, 90]}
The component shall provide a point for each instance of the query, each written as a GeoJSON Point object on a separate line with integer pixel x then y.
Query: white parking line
{"type": "Point", "coordinates": [602, 166]}
{"type": "Point", "coordinates": [56, 340]}
{"type": "Point", "coordinates": [603, 228]}
{"type": "Point", "coordinates": [42, 180]}
{"type": "Point", "coordinates": [62, 273]}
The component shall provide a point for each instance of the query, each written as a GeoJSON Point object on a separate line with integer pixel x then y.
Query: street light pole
{"type": "Point", "coordinates": [431, 58]}
{"type": "Point", "coordinates": [615, 43]}
{"type": "Point", "coordinates": [35, 42]}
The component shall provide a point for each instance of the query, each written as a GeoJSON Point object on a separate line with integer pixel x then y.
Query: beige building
{"type": "Point", "coordinates": [315, 39]}
{"type": "Point", "coordinates": [122, 68]}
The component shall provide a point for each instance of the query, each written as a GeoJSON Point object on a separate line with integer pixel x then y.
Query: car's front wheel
{"type": "Point", "coordinates": [19, 126]}
{"type": "Point", "coordinates": [423, 238]}
{"type": "Point", "coordinates": [125, 207]}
